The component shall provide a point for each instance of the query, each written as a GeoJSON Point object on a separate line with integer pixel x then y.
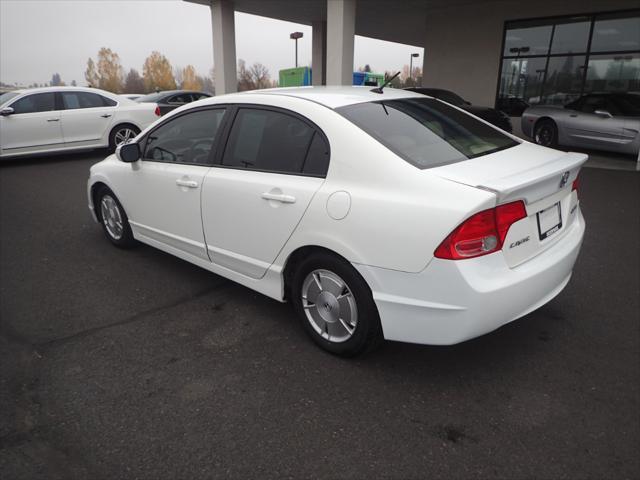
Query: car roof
{"type": "Point", "coordinates": [332, 97]}
{"type": "Point", "coordinates": [61, 89]}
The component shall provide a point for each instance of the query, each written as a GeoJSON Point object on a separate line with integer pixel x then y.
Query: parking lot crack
{"type": "Point", "coordinates": [133, 318]}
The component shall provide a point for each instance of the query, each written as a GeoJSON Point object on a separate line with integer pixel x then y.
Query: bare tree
{"type": "Point", "coordinates": [133, 82]}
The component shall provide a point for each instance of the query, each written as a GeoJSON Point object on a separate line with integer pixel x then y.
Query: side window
{"type": "Point", "coordinates": [188, 138]}
{"type": "Point", "coordinates": [317, 162]}
{"type": "Point", "coordinates": [180, 99]}
{"type": "Point", "coordinates": [269, 141]}
{"type": "Point", "coordinates": [77, 100]}
{"type": "Point", "coordinates": [108, 102]}
{"type": "Point", "coordinates": [40, 102]}
{"type": "Point", "coordinates": [593, 103]}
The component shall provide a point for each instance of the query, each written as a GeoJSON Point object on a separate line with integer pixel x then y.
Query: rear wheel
{"type": "Point", "coordinates": [335, 305]}
{"type": "Point", "coordinates": [546, 133]}
{"type": "Point", "coordinates": [113, 218]}
{"type": "Point", "coordinates": [122, 134]}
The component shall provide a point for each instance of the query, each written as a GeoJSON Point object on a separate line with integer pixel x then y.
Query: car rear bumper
{"type": "Point", "coordinates": [453, 301]}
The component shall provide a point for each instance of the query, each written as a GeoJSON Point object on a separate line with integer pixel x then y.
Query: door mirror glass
{"type": "Point", "coordinates": [5, 112]}
{"type": "Point", "coordinates": [603, 113]}
{"type": "Point", "coordinates": [128, 152]}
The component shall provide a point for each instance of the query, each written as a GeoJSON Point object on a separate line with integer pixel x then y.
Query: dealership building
{"type": "Point", "coordinates": [491, 52]}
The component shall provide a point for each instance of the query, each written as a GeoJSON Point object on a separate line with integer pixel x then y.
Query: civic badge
{"type": "Point", "coordinates": [564, 179]}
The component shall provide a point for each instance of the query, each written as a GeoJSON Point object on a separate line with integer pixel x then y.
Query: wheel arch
{"type": "Point", "coordinates": [542, 119]}
{"type": "Point", "coordinates": [294, 259]}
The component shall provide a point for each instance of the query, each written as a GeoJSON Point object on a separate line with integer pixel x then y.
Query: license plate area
{"type": "Point", "coordinates": [549, 221]}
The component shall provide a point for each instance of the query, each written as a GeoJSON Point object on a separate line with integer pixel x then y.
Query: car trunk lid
{"type": "Point", "coordinates": [541, 177]}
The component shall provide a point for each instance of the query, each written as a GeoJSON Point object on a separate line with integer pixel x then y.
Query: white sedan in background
{"type": "Point", "coordinates": [376, 214]}
{"type": "Point", "coordinates": [56, 119]}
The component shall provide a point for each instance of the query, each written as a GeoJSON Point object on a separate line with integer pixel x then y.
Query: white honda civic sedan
{"type": "Point", "coordinates": [61, 119]}
{"type": "Point", "coordinates": [377, 215]}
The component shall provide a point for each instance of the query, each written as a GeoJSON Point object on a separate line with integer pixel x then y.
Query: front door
{"type": "Point", "coordinates": [588, 129]}
{"type": "Point", "coordinates": [165, 185]}
{"type": "Point", "coordinates": [34, 125]}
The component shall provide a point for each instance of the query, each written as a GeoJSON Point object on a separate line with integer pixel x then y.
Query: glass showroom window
{"type": "Point", "coordinates": [555, 61]}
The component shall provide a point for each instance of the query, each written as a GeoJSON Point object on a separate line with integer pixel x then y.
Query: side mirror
{"type": "Point", "coordinates": [128, 152]}
{"type": "Point", "coordinates": [5, 112]}
{"type": "Point", "coordinates": [603, 113]}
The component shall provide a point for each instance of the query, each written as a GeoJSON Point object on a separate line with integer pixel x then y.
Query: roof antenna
{"type": "Point", "coordinates": [379, 89]}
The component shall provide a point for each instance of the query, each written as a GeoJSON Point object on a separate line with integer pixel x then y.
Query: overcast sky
{"type": "Point", "coordinates": [42, 37]}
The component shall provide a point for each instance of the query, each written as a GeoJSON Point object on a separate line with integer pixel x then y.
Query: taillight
{"type": "Point", "coordinates": [482, 233]}
{"type": "Point", "coordinates": [575, 185]}
{"type": "Point", "coordinates": [157, 111]}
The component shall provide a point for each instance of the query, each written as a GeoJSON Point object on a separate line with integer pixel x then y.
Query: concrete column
{"type": "Point", "coordinates": [224, 46]}
{"type": "Point", "coordinates": [341, 27]}
{"type": "Point", "coordinates": [319, 53]}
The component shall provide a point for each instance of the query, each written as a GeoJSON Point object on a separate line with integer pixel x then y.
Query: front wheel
{"type": "Point", "coordinates": [114, 220]}
{"type": "Point", "coordinates": [335, 305]}
{"type": "Point", "coordinates": [546, 133]}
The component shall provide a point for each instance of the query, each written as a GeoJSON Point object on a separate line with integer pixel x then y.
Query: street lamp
{"type": "Point", "coordinates": [295, 36]}
{"type": "Point", "coordinates": [413, 55]}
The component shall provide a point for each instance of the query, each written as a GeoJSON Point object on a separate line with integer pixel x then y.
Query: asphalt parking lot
{"type": "Point", "coordinates": [135, 364]}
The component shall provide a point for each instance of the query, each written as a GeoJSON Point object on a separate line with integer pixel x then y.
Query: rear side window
{"type": "Point", "coordinates": [273, 141]}
{"type": "Point", "coordinates": [77, 100]}
{"type": "Point", "coordinates": [180, 99]}
{"type": "Point", "coordinates": [40, 102]}
{"type": "Point", "coordinates": [426, 132]}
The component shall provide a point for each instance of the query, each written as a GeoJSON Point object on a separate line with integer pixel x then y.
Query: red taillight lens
{"type": "Point", "coordinates": [576, 185]}
{"type": "Point", "coordinates": [157, 111]}
{"type": "Point", "coordinates": [481, 233]}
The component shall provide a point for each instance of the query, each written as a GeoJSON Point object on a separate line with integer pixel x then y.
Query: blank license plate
{"type": "Point", "coordinates": [549, 221]}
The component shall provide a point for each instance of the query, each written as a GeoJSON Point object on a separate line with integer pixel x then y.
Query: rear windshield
{"type": "Point", "coordinates": [426, 132]}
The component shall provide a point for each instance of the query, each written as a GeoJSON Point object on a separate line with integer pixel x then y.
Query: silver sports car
{"type": "Point", "coordinates": [602, 121]}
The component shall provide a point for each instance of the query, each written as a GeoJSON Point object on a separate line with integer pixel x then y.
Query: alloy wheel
{"type": "Point", "coordinates": [123, 135]}
{"type": "Point", "coordinates": [111, 217]}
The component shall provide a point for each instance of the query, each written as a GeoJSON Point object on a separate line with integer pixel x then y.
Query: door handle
{"type": "Point", "coordinates": [53, 120]}
{"type": "Point", "coordinates": [279, 197]}
{"type": "Point", "coordinates": [106, 115]}
{"type": "Point", "coordinates": [187, 183]}
{"type": "Point", "coordinates": [573, 115]}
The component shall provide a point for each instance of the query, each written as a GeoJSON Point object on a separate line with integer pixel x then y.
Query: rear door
{"type": "Point", "coordinates": [35, 125]}
{"type": "Point", "coordinates": [86, 117]}
{"type": "Point", "coordinates": [273, 164]}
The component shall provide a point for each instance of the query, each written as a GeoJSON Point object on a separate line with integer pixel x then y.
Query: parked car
{"type": "Point", "coordinates": [172, 99]}
{"type": "Point", "coordinates": [56, 119]}
{"type": "Point", "coordinates": [376, 215]}
{"type": "Point", "coordinates": [488, 114]}
{"type": "Point", "coordinates": [512, 106]}
{"type": "Point", "coordinates": [602, 121]}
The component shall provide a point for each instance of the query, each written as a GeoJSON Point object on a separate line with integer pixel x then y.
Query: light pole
{"type": "Point", "coordinates": [413, 55]}
{"type": "Point", "coordinates": [295, 36]}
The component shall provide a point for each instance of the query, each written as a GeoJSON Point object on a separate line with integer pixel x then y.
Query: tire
{"type": "Point", "coordinates": [121, 134]}
{"type": "Point", "coordinates": [546, 133]}
{"type": "Point", "coordinates": [113, 219]}
{"type": "Point", "coordinates": [341, 317]}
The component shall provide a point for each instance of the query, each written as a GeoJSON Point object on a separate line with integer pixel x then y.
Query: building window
{"type": "Point", "coordinates": [555, 61]}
